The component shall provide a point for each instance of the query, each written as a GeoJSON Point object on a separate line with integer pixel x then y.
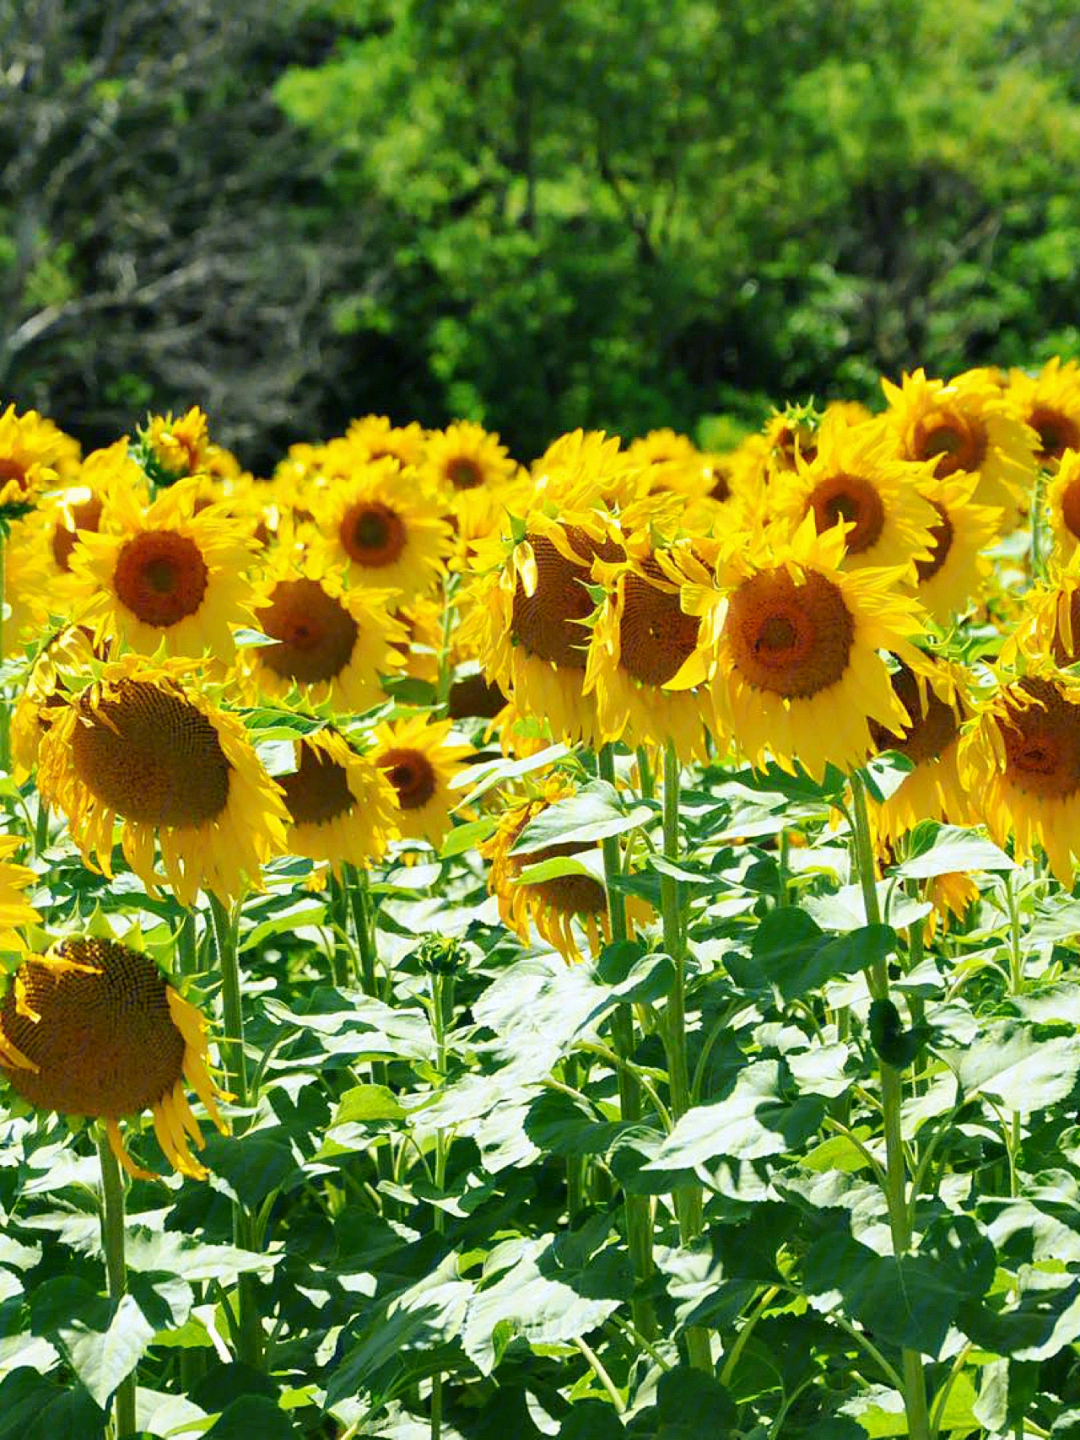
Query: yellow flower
{"type": "Point", "coordinates": [1049, 403]}
{"type": "Point", "coordinates": [15, 909]}
{"type": "Point", "coordinates": [332, 644]}
{"type": "Point", "coordinates": [173, 449]}
{"type": "Point", "coordinates": [384, 528]}
{"type": "Point", "coordinates": [141, 746]}
{"type": "Point", "coordinates": [965, 427]}
{"type": "Point", "coordinates": [97, 1030]}
{"type": "Point", "coordinates": [792, 645]}
{"type": "Point", "coordinates": [373, 437]}
{"type": "Point", "coordinates": [1063, 506]}
{"type": "Point", "coordinates": [29, 445]}
{"type": "Point", "coordinates": [855, 478]}
{"type": "Point", "coordinates": [1020, 760]}
{"type": "Point", "coordinates": [164, 575]}
{"type": "Point", "coordinates": [420, 763]}
{"type": "Point", "coordinates": [1048, 622]}
{"type": "Point", "coordinates": [466, 457]}
{"type": "Point", "coordinates": [341, 808]}
{"type": "Point", "coordinates": [957, 567]}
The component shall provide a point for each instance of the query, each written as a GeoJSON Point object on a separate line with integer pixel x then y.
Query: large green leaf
{"type": "Point", "coordinates": [34, 1408]}
{"type": "Point", "coordinates": [1018, 1064]}
{"type": "Point", "coordinates": [792, 953]}
{"type": "Point", "coordinates": [593, 813]}
{"type": "Point", "coordinates": [102, 1340]}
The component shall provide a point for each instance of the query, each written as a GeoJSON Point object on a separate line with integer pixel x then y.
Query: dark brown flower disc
{"type": "Point", "coordinates": [161, 577]}
{"type": "Point", "coordinates": [1057, 433]}
{"type": "Point", "coordinates": [851, 498]}
{"type": "Point", "coordinates": [655, 637]}
{"type": "Point", "coordinates": [153, 757]}
{"type": "Point", "coordinates": [474, 697]}
{"type": "Point", "coordinates": [10, 469]}
{"type": "Point", "coordinates": [1070, 508]}
{"type": "Point", "coordinates": [565, 894]}
{"type": "Point", "coordinates": [318, 791]}
{"type": "Point", "coordinates": [412, 775]}
{"type": "Point", "coordinates": [1042, 741]}
{"type": "Point", "coordinates": [464, 473]}
{"type": "Point", "coordinates": [957, 441]}
{"type": "Point", "coordinates": [315, 633]}
{"type": "Point", "coordinates": [372, 533]}
{"type": "Point", "coordinates": [931, 729]}
{"type": "Point", "coordinates": [104, 1043]}
{"type": "Point", "coordinates": [941, 539]}
{"type": "Point", "coordinates": [790, 637]}
{"type": "Point", "coordinates": [547, 622]}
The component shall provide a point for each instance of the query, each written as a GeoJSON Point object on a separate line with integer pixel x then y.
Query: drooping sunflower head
{"type": "Point", "coordinates": [329, 643]}
{"type": "Point", "coordinates": [419, 760]}
{"type": "Point", "coordinates": [1048, 620]}
{"type": "Point", "coordinates": [1049, 403]}
{"type": "Point", "coordinates": [29, 449]}
{"type": "Point", "coordinates": [854, 479]}
{"type": "Point", "coordinates": [98, 1031]}
{"type": "Point", "coordinates": [164, 575]}
{"type": "Point", "coordinates": [1020, 761]}
{"type": "Point", "coordinates": [797, 667]}
{"type": "Point", "coordinates": [965, 427]}
{"type": "Point", "coordinates": [341, 806]}
{"type": "Point", "coordinates": [171, 449]}
{"type": "Point", "coordinates": [142, 746]}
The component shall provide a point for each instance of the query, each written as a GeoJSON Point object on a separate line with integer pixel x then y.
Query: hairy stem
{"type": "Point", "coordinates": [112, 1232]}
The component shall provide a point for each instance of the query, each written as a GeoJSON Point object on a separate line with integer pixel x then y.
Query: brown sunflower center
{"type": "Point", "coordinates": [149, 754]}
{"type": "Point", "coordinates": [474, 697]}
{"type": "Point", "coordinates": [161, 577]}
{"type": "Point", "coordinates": [851, 498]}
{"type": "Point", "coordinates": [957, 441]}
{"type": "Point", "coordinates": [655, 637]}
{"type": "Point", "coordinates": [1042, 742]}
{"type": "Point", "coordinates": [721, 484]}
{"type": "Point", "coordinates": [372, 533]}
{"type": "Point", "coordinates": [316, 635]}
{"type": "Point", "coordinates": [565, 894]}
{"type": "Point", "coordinates": [790, 637]}
{"type": "Point", "coordinates": [318, 791]}
{"type": "Point", "coordinates": [941, 539]}
{"type": "Point", "coordinates": [933, 727]}
{"type": "Point", "coordinates": [12, 470]}
{"type": "Point", "coordinates": [84, 516]}
{"type": "Point", "coordinates": [1070, 508]}
{"type": "Point", "coordinates": [464, 473]}
{"type": "Point", "coordinates": [412, 775]}
{"type": "Point", "coordinates": [1057, 432]}
{"type": "Point", "coordinates": [105, 1042]}
{"type": "Point", "coordinates": [547, 622]}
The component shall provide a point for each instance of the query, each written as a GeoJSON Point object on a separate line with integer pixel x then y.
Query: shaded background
{"type": "Point", "coordinates": [537, 214]}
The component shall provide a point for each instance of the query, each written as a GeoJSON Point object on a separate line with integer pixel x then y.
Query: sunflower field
{"type": "Point", "coordinates": [571, 950]}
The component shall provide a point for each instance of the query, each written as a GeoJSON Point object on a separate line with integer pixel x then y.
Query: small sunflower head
{"type": "Point", "coordinates": [169, 450]}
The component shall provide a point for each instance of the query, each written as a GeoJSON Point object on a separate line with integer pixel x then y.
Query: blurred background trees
{"type": "Point", "coordinates": [533, 213]}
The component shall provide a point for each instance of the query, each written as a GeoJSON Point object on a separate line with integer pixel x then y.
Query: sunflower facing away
{"type": "Point", "coordinates": [93, 1028]}
{"type": "Point", "coordinates": [1020, 760]}
{"type": "Point", "coordinates": [341, 807]}
{"type": "Point", "coordinates": [420, 763]}
{"type": "Point", "coordinates": [792, 644]}
{"type": "Point", "coordinates": [164, 574]}
{"type": "Point", "coordinates": [141, 746]}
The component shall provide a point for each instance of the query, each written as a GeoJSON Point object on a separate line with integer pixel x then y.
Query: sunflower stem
{"type": "Point", "coordinates": [636, 1207]}
{"type": "Point", "coordinates": [187, 955]}
{"type": "Point", "coordinates": [358, 889]}
{"type": "Point", "coordinates": [645, 774]}
{"type": "Point", "coordinates": [112, 1234]}
{"type": "Point", "coordinates": [41, 827]}
{"type": "Point", "coordinates": [891, 1085]}
{"type": "Point", "coordinates": [687, 1198]}
{"type": "Point", "coordinates": [226, 926]}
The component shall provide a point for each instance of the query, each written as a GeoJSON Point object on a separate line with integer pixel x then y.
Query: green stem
{"type": "Point", "coordinates": [186, 951]}
{"type": "Point", "coordinates": [637, 1209]}
{"type": "Point", "coordinates": [226, 927]}
{"type": "Point", "coordinates": [1014, 1132]}
{"type": "Point", "coordinates": [645, 774]}
{"type": "Point", "coordinates": [112, 1233]}
{"type": "Point", "coordinates": [575, 1164]}
{"type": "Point", "coordinates": [442, 1005]}
{"type": "Point", "coordinates": [602, 1375]}
{"type": "Point", "coordinates": [339, 932]}
{"type": "Point", "coordinates": [358, 888]}
{"type": "Point", "coordinates": [891, 1087]}
{"type": "Point", "coordinates": [689, 1204]}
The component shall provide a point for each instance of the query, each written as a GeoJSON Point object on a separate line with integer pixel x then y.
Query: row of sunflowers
{"type": "Point", "coordinates": [404, 646]}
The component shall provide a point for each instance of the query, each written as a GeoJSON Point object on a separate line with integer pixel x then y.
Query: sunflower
{"type": "Point", "coordinates": [341, 807]}
{"type": "Point", "coordinates": [641, 639]}
{"type": "Point", "coordinates": [383, 526]}
{"type": "Point", "coordinates": [164, 575]}
{"type": "Point", "coordinates": [529, 614]}
{"type": "Point", "coordinates": [957, 567]}
{"type": "Point", "coordinates": [60, 665]}
{"type": "Point", "coordinates": [419, 761]}
{"type": "Point", "coordinates": [374, 437]}
{"type": "Point", "coordinates": [330, 643]}
{"type": "Point", "coordinates": [171, 449]}
{"type": "Point", "coordinates": [1049, 620]}
{"type": "Point", "coordinates": [552, 907]}
{"type": "Point", "coordinates": [98, 1031]}
{"type": "Point", "coordinates": [15, 909]}
{"type": "Point", "coordinates": [855, 478]}
{"type": "Point", "coordinates": [931, 741]}
{"type": "Point", "coordinates": [965, 427]}
{"type": "Point", "coordinates": [28, 447]}
{"type": "Point", "coordinates": [791, 642]}
{"type": "Point", "coordinates": [1020, 759]}
{"type": "Point", "coordinates": [1063, 506]}
{"type": "Point", "coordinates": [1049, 403]}
{"type": "Point", "coordinates": [671, 462]}
{"type": "Point", "coordinates": [102, 476]}
{"type": "Point", "coordinates": [140, 746]}
{"type": "Point", "coordinates": [790, 433]}
{"type": "Point", "coordinates": [583, 469]}
{"type": "Point", "coordinates": [466, 457]}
